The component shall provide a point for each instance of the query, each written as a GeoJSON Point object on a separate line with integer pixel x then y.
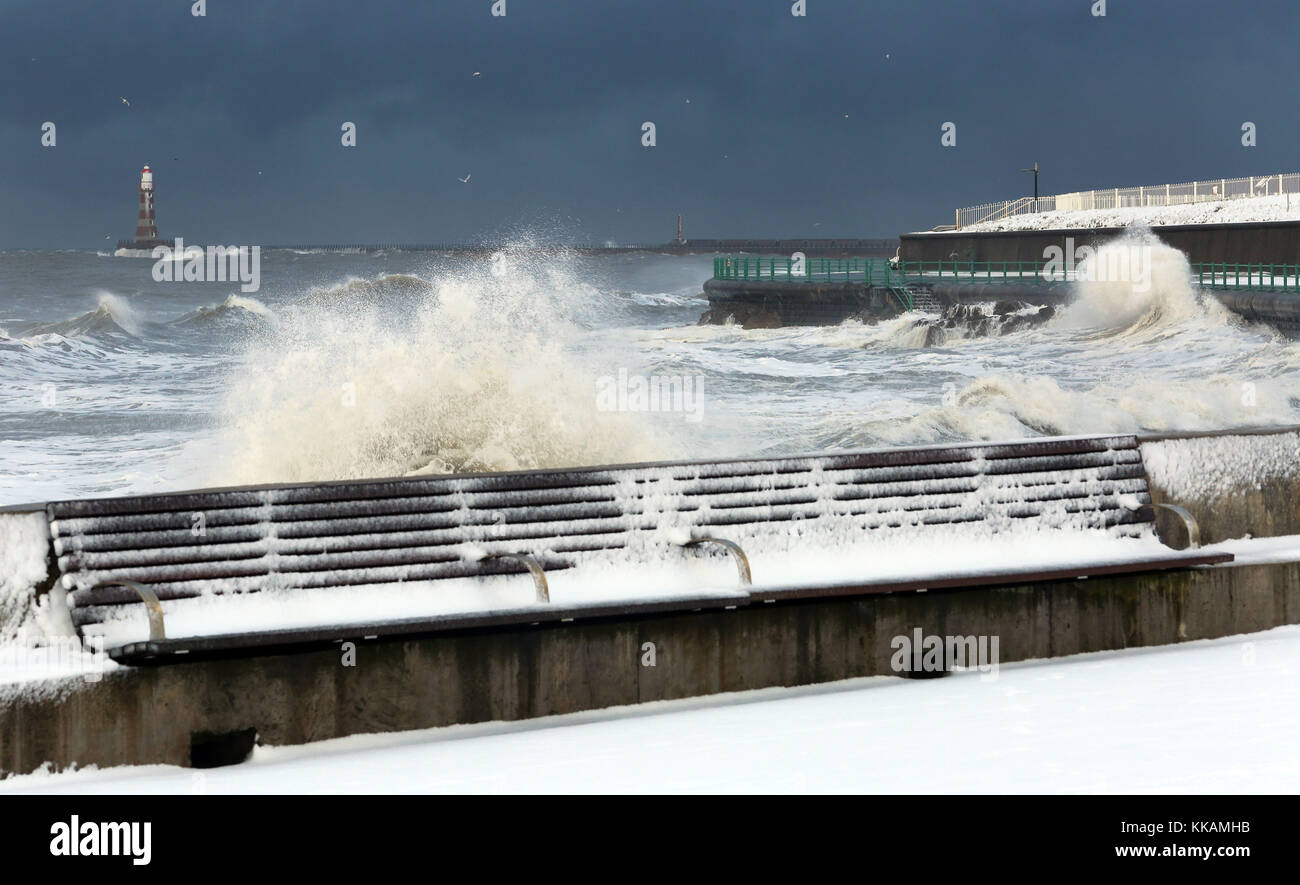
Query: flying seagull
{"type": "Point", "coordinates": [464, 180]}
{"type": "Point", "coordinates": [478, 73]}
{"type": "Point", "coordinates": [125, 102]}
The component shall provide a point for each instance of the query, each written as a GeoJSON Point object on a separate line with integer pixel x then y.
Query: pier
{"type": "Point", "coordinates": [770, 292]}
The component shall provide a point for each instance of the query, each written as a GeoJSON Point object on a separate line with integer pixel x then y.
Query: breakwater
{"type": "Point", "coordinates": [812, 247]}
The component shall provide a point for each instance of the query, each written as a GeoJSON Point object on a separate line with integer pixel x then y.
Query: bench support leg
{"type": "Point", "coordinates": [535, 569]}
{"type": "Point", "coordinates": [152, 607]}
{"type": "Point", "coordinates": [1193, 529]}
{"type": "Point", "coordinates": [742, 561]}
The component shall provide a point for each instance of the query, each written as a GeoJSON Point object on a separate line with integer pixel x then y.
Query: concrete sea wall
{"type": "Point", "coordinates": [169, 714]}
{"type": "Point", "coordinates": [766, 304]}
{"type": "Point", "coordinates": [1270, 242]}
{"type": "Point", "coordinates": [772, 304]}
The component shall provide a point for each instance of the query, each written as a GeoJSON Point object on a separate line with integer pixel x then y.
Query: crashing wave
{"type": "Point", "coordinates": [239, 308]}
{"type": "Point", "coordinates": [111, 316]}
{"type": "Point", "coordinates": [481, 373]}
{"type": "Point", "coordinates": [361, 290]}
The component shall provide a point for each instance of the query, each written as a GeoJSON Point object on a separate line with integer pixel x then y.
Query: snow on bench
{"type": "Point", "coordinates": [289, 564]}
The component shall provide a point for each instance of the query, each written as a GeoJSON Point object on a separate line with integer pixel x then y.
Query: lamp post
{"type": "Point", "coordinates": [1035, 171]}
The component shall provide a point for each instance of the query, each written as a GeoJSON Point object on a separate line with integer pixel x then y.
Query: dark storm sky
{"type": "Point", "coordinates": [1156, 91]}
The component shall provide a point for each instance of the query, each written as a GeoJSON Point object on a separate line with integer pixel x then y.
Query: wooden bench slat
{"type": "Point", "coordinates": [848, 488]}
{"type": "Point", "coordinates": [582, 477]}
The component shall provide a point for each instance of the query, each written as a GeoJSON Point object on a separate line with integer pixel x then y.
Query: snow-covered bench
{"type": "Point", "coordinates": [227, 565]}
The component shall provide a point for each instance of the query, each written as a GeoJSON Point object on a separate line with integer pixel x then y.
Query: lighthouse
{"type": "Point", "coordinates": [146, 238]}
{"type": "Point", "coordinates": [146, 228]}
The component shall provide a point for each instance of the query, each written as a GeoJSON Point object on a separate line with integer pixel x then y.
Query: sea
{"type": "Point", "coordinates": [369, 364]}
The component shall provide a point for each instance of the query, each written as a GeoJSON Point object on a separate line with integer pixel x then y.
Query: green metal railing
{"type": "Point", "coordinates": [746, 267]}
{"type": "Point", "coordinates": [966, 269]}
{"type": "Point", "coordinates": [1265, 277]}
{"type": "Point", "coordinates": [879, 272]}
{"type": "Point", "coordinates": [869, 271]}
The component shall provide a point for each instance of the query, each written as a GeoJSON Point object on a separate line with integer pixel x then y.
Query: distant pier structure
{"type": "Point", "coordinates": [146, 226]}
{"type": "Point", "coordinates": [810, 247]}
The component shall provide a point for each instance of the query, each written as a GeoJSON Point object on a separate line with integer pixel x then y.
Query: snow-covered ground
{"type": "Point", "coordinates": [1205, 717]}
{"type": "Point", "coordinates": [1279, 207]}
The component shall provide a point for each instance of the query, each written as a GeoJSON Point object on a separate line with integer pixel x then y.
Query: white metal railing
{"type": "Point", "coordinates": [1004, 209]}
{"type": "Point", "coordinates": [1208, 191]}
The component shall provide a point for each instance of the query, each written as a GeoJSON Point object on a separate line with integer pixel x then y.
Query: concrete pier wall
{"type": "Point", "coordinates": [765, 304]}
{"type": "Point", "coordinates": [1275, 242]}
{"type": "Point", "coordinates": [949, 293]}
{"type": "Point", "coordinates": [1279, 309]}
{"type": "Point", "coordinates": [772, 304]}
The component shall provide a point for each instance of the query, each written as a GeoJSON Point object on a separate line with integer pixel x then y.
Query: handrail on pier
{"type": "Point", "coordinates": [882, 273]}
{"type": "Point", "coordinates": [871, 271]}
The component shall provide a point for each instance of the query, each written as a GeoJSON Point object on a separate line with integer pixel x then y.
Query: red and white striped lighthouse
{"type": "Point", "coordinates": [146, 228]}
